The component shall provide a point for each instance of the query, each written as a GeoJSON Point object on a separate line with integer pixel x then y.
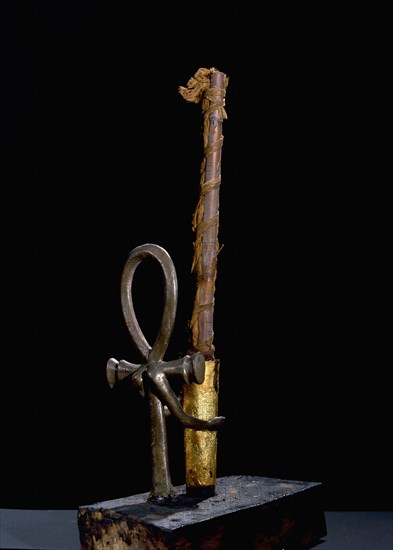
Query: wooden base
{"type": "Point", "coordinates": [247, 512]}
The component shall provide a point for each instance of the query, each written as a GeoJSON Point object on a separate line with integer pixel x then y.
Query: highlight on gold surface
{"type": "Point", "coordinates": [201, 401]}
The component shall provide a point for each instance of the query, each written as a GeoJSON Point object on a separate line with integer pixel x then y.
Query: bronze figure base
{"type": "Point", "coordinates": [247, 512]}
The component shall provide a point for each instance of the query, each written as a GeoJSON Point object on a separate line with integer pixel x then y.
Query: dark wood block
{"type": "Point", "coordinates": [247, 512]}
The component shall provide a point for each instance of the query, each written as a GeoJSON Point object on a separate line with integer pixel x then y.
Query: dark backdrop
{"type": "Point", "coordinates": [102, 154]}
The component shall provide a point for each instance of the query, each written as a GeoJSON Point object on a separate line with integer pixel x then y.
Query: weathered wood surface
{"type": "Point", "coordinates": [247, 512]}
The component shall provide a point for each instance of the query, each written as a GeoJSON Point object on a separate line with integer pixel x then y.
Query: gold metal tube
{"type": "Point", "coordinates": [201, 401]}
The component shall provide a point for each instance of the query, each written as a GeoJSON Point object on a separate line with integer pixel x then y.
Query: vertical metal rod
{"type": "Point", "coordinates": [162, 488]}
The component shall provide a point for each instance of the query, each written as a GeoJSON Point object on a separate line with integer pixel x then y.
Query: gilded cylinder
{"type": "Point", "coordinates": [201, 401]}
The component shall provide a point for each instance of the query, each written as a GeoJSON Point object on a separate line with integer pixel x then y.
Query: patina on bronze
{"type": "Point", "coordinates": [150, 377]}
{"type": "Point", "coordinates": [207, 86]}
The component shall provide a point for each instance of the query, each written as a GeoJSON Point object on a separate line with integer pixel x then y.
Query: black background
{"type": "Point", "coordinates": [101, 154]}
